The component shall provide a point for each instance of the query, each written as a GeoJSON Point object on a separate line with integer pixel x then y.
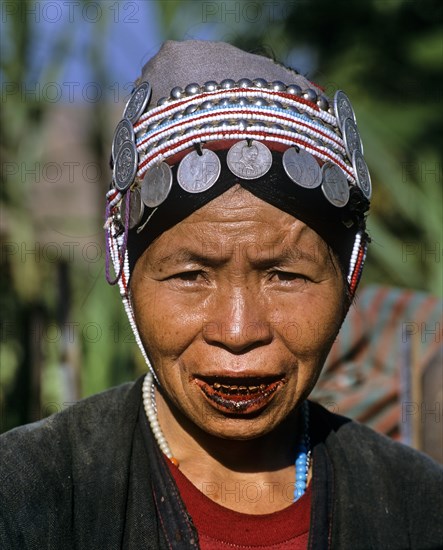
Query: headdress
{"type": "Point", "coordinates": [205, 116]}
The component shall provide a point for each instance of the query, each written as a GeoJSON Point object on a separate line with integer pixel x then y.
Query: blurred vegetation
{"type": "Point", "coordinates": [385, 54]}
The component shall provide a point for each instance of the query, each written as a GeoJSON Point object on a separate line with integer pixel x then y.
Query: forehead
{"type": "Point", "coordinates": [239, 219]}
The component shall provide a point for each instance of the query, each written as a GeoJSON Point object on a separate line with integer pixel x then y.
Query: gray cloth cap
{"type": "Point", "coordinates": [182, 63]}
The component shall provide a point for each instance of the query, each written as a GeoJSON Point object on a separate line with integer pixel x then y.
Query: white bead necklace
{"type": "Point", "coordinates": [151, 414]}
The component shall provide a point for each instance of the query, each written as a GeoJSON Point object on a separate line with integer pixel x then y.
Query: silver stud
{"type": "Point", "coordinates": [278, 86]}
{"type": "Point", "coordinates": [174, 135]}
{"type": "Point", "coordinates": [224, 102]}
{"type": "Point", "coordinates": [260, 82]}
{"type": "Point", "coordinates": [206, 105]}
{"type": "Point", "coordinates": [162, 101]}
{"type": "Point", "coordinates": [162, 141]}
{"type": "Point", "coordinates": [323, 103]}
{"type": "Point", "coordinates": [310, 95]}
{"type": "Point", "coordinates": [261, 102]}
{"type": "Point", "coordinates": [242, 123]}
{"type": "Point", "coordinates": [152, 126]}
{"type": "Point", "coordinates": [278, 104]}
{"type": "Point", "coordinates": [192, 89]}
{"type": "Point", "coordinates": [227, 83]}
{"type": "Point", "coordinates": [176, 92]}
{"type": "Point", "coordinates": [210, 86]}
{"type": "Point", "coordinates": [244, 83]}
{"type": "Point", "coordinates": [178, 115]}
{"type": "Point", "coordinates": [294, 89]}
{"type": "Point", "coordinates": [276, 126]}
{"type": "Point", "coordinates": [244, 102]}
{"type": "Point", "coordinates": [191, 109]}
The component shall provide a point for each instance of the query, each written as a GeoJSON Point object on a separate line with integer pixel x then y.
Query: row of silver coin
{"type": "Point", "coordinates": [139, 100]}
{"type": "Point", "coordinates": [125, 156]}
{"type": "Point", "coordinates": [199, 170]}
{"type": "Point", "coordinates": [125, 164]}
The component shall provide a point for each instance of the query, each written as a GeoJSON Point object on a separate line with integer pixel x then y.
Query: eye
{"type": "Point", "coordinates": [288, 276]}
{"type": "Point", "coordinates": [188, 278]}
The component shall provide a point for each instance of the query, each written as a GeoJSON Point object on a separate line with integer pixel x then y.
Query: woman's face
{"type": "Point", "coordinates": [237, 306]}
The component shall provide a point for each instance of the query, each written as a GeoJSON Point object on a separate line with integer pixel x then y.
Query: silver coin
{"type": "Point", "coordinates": [196, 173]}
{"type": "Point", "coordinates": [136, 208]}
{"type": "Point", "coordinates": [125, 166]}
{"type": "Point", "coordinates": [123, 132]}
{"type": "Point", "coordinates": [302, 168]}
{"type": "Point", "coordinates": [334, 185]}
{"type": "Point", "coordinates": [156, 185]}
{"type": "Point", "coordinates": [343, 108]}
{"type": "Point", "coordinates": [362, 174]}
{"type": "Point", "coordinates": [249, 161]}
{"type": "Point", "coordinates": [137, 102]}
{"type": "Point", "coordinates": [351, 138]}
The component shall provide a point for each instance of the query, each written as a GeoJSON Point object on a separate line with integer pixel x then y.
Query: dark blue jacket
{"type": "Point", "coordinates": [91, 477]}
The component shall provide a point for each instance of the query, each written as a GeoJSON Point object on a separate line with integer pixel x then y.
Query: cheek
{"type": "Point", "coordinates": [308, 324]}
{"type": "Point", "coordinates": [166, 328]}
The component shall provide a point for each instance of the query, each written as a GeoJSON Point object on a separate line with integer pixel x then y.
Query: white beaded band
{"type": "Point", "coordinates": [114, 246]}
{"type": "Point", "coordinates": [158, 113]}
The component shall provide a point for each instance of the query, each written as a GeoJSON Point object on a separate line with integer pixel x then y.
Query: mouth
{"type": "Point", "coordinates": [244, 395]}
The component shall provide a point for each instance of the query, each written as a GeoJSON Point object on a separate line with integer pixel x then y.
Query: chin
{"type": "Point", "coordinates": [242, 427]}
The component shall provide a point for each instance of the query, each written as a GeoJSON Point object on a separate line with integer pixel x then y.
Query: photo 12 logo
{"type": "Point", "coordinates": [70, 11]}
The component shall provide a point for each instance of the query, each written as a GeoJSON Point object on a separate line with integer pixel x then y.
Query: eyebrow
{"type": "Point", "coordinates": [288, 255]}
{"type": "Point", "coordinates": [184, 255]}
{"type": "Point", "coordinates": [292, 254]}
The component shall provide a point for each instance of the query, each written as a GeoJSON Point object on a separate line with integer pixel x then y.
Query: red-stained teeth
{"type": "Point", "coordinates": [245, 396]}
{"type": "Point", "coordinates": [234, 388]}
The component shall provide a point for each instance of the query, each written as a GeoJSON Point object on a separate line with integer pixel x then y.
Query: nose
{"type": "Point", "coordinates": [238, 322]}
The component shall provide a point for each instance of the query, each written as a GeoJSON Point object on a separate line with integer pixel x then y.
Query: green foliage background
{"type": "Point", "coordinates": [386, 54]}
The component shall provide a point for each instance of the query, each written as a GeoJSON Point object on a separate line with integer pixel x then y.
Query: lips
{"type": "Point", "coordinates": [239, 395]}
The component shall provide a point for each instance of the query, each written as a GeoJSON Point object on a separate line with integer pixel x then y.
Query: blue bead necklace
{"type": "Point", "coordinates": [303, 455]}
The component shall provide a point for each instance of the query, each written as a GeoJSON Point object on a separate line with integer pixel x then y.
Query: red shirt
{"type": "Point", "coordinates": [221, 528]}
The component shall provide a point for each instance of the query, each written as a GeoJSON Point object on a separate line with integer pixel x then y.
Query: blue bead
{"type": "Point", "coordinates": [301, 485]}
{"type": "Point", "coordinates": [298, 494]}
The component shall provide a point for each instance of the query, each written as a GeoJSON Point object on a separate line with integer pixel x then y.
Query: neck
{"type": "Point", "coordinates": [204, 458]}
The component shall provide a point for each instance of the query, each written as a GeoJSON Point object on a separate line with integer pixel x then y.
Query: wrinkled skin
{"type": "Point", "coordinates": [237, 290]}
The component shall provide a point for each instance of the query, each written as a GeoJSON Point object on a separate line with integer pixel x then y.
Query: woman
{"type": "Point", "coordinates": [236, 227]}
